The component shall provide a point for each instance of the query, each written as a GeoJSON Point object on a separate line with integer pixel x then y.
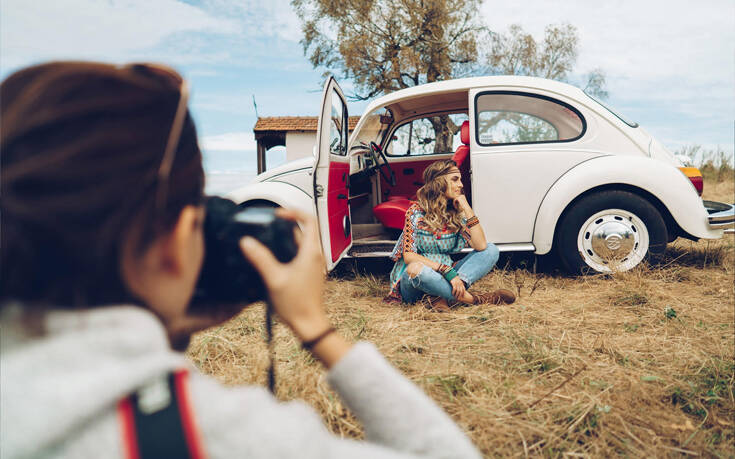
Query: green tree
{"type": "Point", "coordinates": [518, 53]}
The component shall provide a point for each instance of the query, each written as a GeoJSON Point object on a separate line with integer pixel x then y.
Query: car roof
{"type": "Point", "coordinates": [465, 84]}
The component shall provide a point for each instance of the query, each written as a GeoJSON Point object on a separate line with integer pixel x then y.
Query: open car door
{"type": "Point", "coordinates": [332, 174]}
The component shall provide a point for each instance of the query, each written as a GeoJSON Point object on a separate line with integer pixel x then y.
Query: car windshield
{"type": "Point", "coordinates": [606, 107]}
{"type": "Point", "coordinates": [374, 126]}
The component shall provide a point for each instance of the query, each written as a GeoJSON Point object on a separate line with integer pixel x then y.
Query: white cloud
{"type": "Point", "coordinates": [231, 141]}
{"type": "Point", "coordinates": [113, 30]}
{"type": "Point", "coordinates": [642, 40]}
{"type": "Point", "coordinates": [646, 38]}
{"type": "Point", "coordinates": [670, 61]}
{"type": "Point", "coordinates": [275, 18]}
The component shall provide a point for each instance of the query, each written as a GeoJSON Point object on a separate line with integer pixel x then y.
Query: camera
{"type": "Point", "coordinates": [226, 275]}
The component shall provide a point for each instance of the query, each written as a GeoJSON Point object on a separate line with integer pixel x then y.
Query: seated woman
{"type": "Point", "coordinates": [101, 186]}
{"type": "Point", "coordinates": [439, 224]}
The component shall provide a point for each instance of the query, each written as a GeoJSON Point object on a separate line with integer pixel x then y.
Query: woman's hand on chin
{"type": "Point", "coordinates": [461, 204]}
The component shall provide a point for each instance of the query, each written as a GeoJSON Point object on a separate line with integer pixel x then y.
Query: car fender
{"type": "Point", "coordinates": [280, 193]}
{"type": "Point", "coordinates": [662, 180]}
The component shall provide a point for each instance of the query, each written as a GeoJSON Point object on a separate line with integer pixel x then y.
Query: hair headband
{"type": "Point", "coordinates": [453, 170]}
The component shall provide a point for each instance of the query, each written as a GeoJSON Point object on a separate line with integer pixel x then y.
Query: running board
{"type": "Point", "coordinates": [370, 249]}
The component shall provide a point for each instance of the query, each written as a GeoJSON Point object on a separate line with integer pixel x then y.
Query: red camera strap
{"type": "Point", "coordinates": [158, 421]}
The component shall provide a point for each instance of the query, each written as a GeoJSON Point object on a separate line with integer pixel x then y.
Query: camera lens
{"type": "Point", "coordinates": [226, 275]}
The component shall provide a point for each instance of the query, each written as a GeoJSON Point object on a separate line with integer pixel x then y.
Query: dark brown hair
{"type": "Point", "coordinates": [80, 148]}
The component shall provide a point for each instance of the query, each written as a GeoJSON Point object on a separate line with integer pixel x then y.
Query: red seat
{"type": "Point", "coordinates": [462, 158]}
{"type": "Point", "coordinates": [392, 213]}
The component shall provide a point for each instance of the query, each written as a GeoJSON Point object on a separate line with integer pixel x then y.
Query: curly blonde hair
{"type": "Point", "coordinates": [439, 211]}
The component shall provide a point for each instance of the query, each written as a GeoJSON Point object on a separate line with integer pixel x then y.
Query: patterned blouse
{"type": "Point", "coordinates": [417, 237]}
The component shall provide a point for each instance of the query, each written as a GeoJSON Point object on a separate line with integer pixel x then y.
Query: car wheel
{"type": "Point", "coordinates": [610, 231]}
{"type": "Point", "coordinates": [263, 203]}
{"type": "Point", "coordinates": [257, 203]}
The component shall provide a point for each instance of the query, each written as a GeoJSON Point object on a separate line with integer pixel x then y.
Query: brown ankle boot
{"type": "Point", "coordinates": [434, 303]}
{"type": "Point", "coordinates": [500, 296]}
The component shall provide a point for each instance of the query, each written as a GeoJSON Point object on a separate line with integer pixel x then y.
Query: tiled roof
{"type": "Point", "coordinates": [294, 123]}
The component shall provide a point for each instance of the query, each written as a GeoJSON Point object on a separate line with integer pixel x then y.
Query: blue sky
{"type": "Point", "coordinates": [670, 64]}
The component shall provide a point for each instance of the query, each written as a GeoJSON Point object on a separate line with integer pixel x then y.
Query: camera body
{"type": "Point", "coordinates": [226, 275]}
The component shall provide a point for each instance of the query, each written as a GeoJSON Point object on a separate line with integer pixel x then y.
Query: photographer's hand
{"type": "Point", "coordinates": [295, 289]}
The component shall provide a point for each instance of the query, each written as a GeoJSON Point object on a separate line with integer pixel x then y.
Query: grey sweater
{"type": "Point", "coordinates": [59, 391]}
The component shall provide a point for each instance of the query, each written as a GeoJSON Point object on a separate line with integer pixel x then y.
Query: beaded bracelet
{"type": "Point", "coordinates": [472, 221]}
{"type": "Point", "coordinates": [451, 274]}
{"type": "Point", "coordinates": [443, 269]}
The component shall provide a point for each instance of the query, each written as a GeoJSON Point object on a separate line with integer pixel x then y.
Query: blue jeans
{"type": "Point", "coordinates": [470, 269]}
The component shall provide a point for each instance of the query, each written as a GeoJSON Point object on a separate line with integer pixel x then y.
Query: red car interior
{"type": "Point", "coordinates": [392, 211]}
{"type": "Point", "coordinates": [337, 203]}
{"type": "Point", "coordinates": [409, 178]}
{"type": "Point", "coordinates": [462, 158]}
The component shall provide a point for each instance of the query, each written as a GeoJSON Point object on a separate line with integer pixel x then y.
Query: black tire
{"type": "Point", "coordinates": [570, 242]}
{"type": "Point", "coordinates": [257, 203]}
{"type": "Point", "coordinates": [262, 203]}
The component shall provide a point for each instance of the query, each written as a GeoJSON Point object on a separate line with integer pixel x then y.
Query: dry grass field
{"type": "Point", "coordinates": [636, 364]}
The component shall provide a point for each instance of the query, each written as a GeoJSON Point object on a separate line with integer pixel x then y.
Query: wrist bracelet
{"type": "Point", "coordinates": [443, 269]}
{"type": "Point", "coordinates": [451, 274]}
{"type": "Point", "coordinates": [472, 221]}
{"type": "Point", "coordinates": [309, 345]}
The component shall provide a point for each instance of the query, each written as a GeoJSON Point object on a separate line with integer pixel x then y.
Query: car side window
{"type": "Point", "coordinates": [431, 135]}
{"type": "Point", "coordinates": [338, 127]}
{"type": "Point", "coordinates": [505, 117]}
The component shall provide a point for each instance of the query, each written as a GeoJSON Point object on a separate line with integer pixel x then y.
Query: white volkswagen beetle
{"type": "Point", "coordinates": [545, 167]}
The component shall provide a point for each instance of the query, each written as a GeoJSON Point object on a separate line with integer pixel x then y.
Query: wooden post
{"type": "Point", "coordinates": [261, 156]}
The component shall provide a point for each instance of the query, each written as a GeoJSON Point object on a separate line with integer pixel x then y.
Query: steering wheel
{"type": "Point", "coordinates": [378, 155]}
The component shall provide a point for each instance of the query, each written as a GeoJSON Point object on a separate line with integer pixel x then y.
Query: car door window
{"type": "Point", "coordinates": [431, 135]}
{"type": "Point", "coordinates": [338, 127]}
{"type": "Point", "coordinates": [505, 117]}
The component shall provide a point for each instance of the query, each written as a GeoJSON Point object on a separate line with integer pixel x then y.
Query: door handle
{"type": "Point", "coordinates": [341, 196]}
{"type": "Point", "coordinates": [418, 183]}
{"type": "Point", "coordinates": [408, 171]}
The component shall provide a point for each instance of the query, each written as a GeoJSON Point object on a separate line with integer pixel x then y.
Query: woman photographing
{"type": "Point", "coordinates": [102, 245]}
{"type": "Point", "coordinates": [441, 223]}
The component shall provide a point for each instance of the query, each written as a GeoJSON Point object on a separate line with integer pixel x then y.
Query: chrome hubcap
{"type": "Point", "coordinates": [613, 240]}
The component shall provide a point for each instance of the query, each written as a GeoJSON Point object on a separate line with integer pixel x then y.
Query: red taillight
{"type": "Point", "coordinates": [698, 183]}
{"type": "Point", "coordinates": [695, 177]}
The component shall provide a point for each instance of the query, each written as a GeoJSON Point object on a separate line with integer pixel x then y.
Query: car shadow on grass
{"type": "Point", "coordinates": [682, 254]}
{"type": "Point", "coordinates": [350, 268]}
